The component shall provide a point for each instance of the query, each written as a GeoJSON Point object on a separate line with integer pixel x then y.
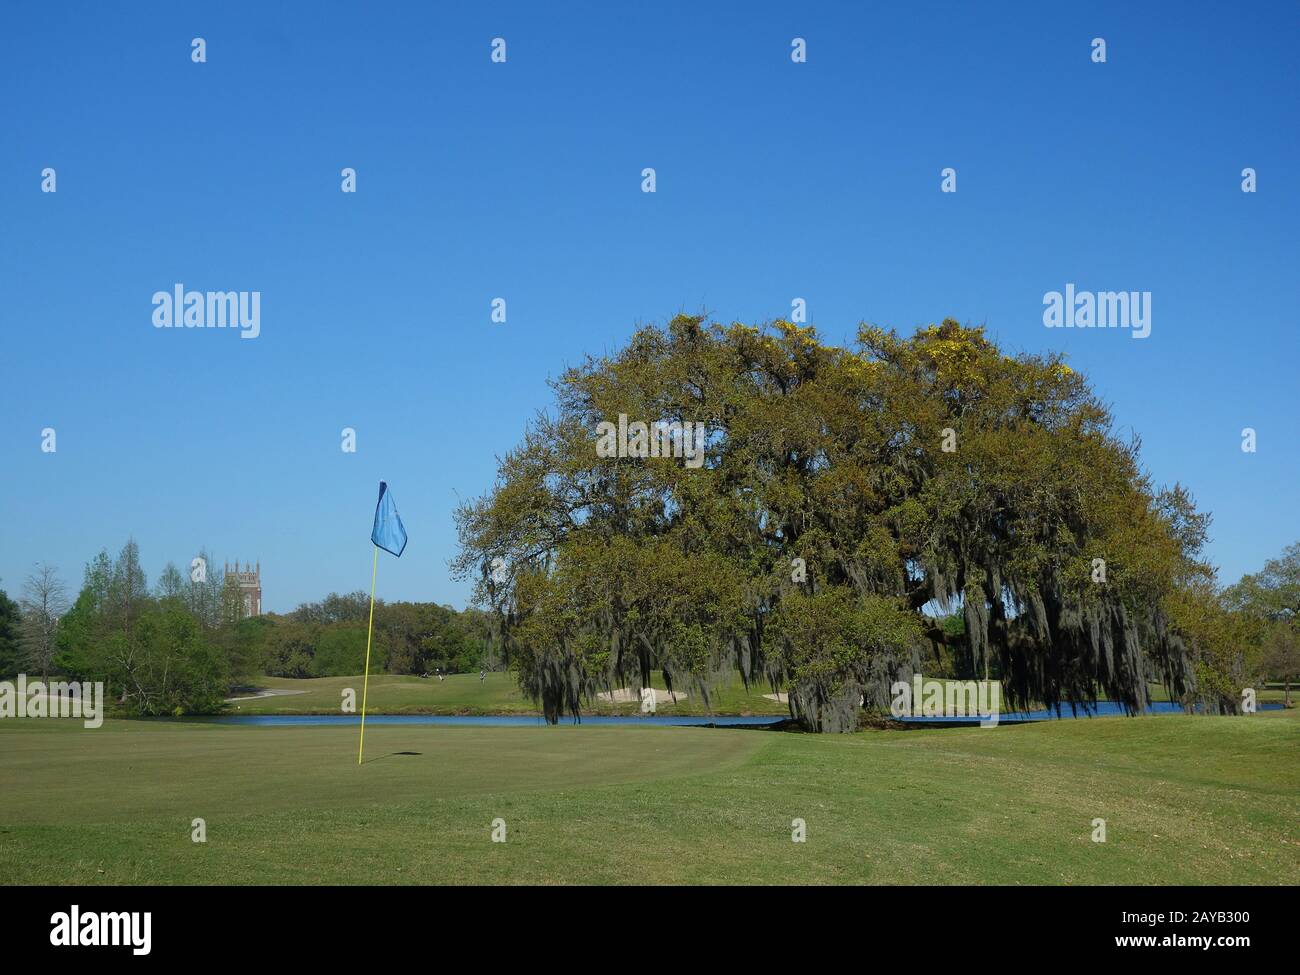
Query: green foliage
{"type": "Point", "coordinates": [1271, 597]}
{"type": "Point", "coordinates": [1225, 646]}
{"type": "Point", "coordinates": [171, 585]}
{"type": "Point", "coordinates": [289, 647]}
{"type": "Point", "coordinates": [1274, 592]}
{"type": "Point", "coordinates": [1281, 656]}
{"type": "Point", "coordinates": [244, 644]}
{"type": "Point", "coordinates": [328, 638]}
{"type": "Point", "coordinates": [173, 669]}
{"type": "Point", "coordinates": [154, 655]}
{"type": "Point", "coordinates": [340, 650]}
{"type": "Point", "coordinates": [600, 570]}
{"type": "Point", "coordinates": [837, 648]}
{"type": "Point", "coordinates": [10, 648]}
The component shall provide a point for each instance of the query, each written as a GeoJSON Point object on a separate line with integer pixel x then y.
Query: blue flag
{"type": "Point", "coordinates": [388, 533]}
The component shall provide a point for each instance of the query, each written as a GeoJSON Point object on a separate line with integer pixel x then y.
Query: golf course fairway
{"type": "Point", "coordinates": [1185, 799]}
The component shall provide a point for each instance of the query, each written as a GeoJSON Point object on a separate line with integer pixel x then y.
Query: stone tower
{"type": "Point", "coordinates": [249, 580]}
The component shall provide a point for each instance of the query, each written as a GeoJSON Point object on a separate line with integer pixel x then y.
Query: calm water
{"type": "Point", "coordinates": [1103, 709]}
{"type": "Point", "coordinates": [491, 720]}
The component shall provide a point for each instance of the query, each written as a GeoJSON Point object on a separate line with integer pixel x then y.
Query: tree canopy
{"type": "Point", "coordinates": [10, 636]}
{"type": "Point", "coordinates": [182, 647]}
{"type": "Point", "coordinates": [1271, 598]}
{"type": "Point", "coordinates": [847, 498]}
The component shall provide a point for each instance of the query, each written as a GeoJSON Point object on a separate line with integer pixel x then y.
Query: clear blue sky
{"type": "Point", "coordinates": [522, 180]}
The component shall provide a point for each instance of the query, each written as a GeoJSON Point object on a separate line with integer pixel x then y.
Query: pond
{"type": "Point", "coordinates": [1103, 709]}
{"type": "Point", "coordinates": [491, 720]}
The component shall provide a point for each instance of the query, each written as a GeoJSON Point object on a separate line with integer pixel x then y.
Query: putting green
{"type": "Point", "coordinates": [1185, 799]}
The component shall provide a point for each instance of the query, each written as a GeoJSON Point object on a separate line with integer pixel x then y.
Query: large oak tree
{"type": "Point", "coordinates": [849, 496]}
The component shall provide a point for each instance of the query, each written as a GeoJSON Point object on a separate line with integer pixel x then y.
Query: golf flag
{"type": "Point", "coordinates": [388, 533]}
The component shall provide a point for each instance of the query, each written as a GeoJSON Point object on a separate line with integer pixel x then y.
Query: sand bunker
{"type": "Point", "coordinates": [266, 692]}
{"type": "Point", "coordinates": [625, 695]}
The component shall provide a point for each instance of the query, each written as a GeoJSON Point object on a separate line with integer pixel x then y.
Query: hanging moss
{"type": "Point", "coordinates": [828, 517]}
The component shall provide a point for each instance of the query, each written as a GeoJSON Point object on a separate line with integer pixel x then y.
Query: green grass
{"type": "Point", "coordinates": [497, 693]}
{"type": "Point", "coordinates": [1186, 800]}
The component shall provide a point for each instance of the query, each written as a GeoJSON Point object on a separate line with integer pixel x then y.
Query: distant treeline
{"type": "Point", "coordinates": [328, 638]}
{"type": "Point", "coordinates": [181, 646]}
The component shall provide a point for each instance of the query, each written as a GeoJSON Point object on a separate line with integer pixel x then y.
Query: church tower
{"type": "Point", "coordinates": [249, 581]}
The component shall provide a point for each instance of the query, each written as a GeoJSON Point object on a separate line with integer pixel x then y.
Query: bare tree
{"type": "Point", "coordinates": [44, 600]}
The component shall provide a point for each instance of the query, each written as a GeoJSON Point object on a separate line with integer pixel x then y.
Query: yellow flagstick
{"type": "Point", "coordinates": [369, 629]}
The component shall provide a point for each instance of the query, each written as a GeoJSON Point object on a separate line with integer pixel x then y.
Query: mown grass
{"type": "Point", "coordinates": [497, 693]}
{"type": "Point", "coordinates": [1186, 800]}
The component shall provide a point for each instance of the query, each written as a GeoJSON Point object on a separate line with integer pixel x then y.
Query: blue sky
{"type": "Point", "coordinates": [522, 180]}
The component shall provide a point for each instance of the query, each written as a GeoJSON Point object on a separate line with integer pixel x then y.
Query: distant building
{"type": "Point", "coordinates": [249, 581]}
